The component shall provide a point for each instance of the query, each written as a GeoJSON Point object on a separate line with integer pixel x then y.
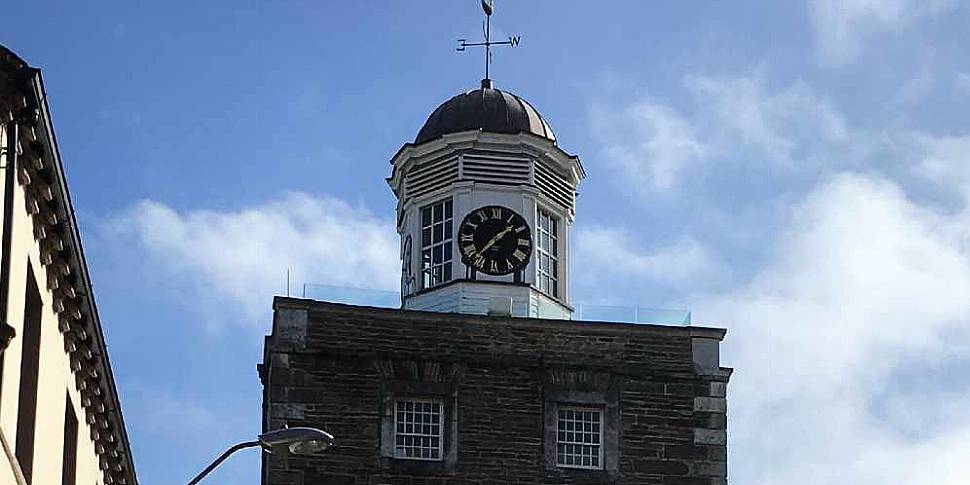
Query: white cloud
{"type": "Point", "coordinates": [864, 283]}
{"type": "Point", "coordinates": [241, 256]}
{"type": "Point", "coordinates": [739, 121]}
{"type": "Point", "coordinates": [742, 111]}
{"type": "Point", "coordinates": [651, 144]}
{"type": "Point", "coordinates": [945, 161]}
{"type": "Point", "coordinates": [684, 264]}
{"type": "Point", "coordinates": [838, 334]}
{"type": "Point", "coordinates": [842, 26]}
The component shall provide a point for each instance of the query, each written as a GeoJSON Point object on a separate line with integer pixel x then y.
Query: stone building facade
{"type": "Point", "coordinates": [505, 390]}
{"type": "Point", "coordinates": [60, 418]}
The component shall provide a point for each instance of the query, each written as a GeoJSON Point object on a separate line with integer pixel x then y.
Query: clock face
{"type": "Point", "coordinates": [495, 240]}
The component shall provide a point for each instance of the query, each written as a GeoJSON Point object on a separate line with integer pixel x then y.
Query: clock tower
{"type": "Point", "coordinates": [486, 200]}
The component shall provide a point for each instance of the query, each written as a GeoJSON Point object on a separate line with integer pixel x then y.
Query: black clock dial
{"type": "Point", "coordinates": [495, 240]}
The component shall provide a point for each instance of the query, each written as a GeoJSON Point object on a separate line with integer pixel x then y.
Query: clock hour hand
{"type": "Point", "coordinates": [494, 240]}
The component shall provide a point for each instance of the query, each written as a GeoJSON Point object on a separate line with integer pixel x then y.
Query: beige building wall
{"type": "Point", "coordinates": [73, 363]}
{"type": "Point", "coordinates": [55, 379]}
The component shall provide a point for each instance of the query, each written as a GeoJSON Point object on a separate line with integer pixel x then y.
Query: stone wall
{"type": "Point", "coordinates": [337, 367]}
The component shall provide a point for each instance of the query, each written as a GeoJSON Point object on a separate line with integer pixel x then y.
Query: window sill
{"type": "Point", "coordinates": [410, 466]}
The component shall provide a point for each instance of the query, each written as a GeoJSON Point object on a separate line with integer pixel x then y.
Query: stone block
{"type": "Point", "coordinates": [660, 467]}
{"type": "Point", "coordinates": [287, 411]}
{"type": "Point", "coordinates": [718, 389]}
{"type": "Point", "coordinates": [710, 437]}
{"type": "Point", "coordinates": [706, 355]}
{"type": "Point", "coordinates": [710, 404]}
{"type": "Point", "coordinates": [717, 453]}
{"type": "Point", "coordinates": [707, 469]}
{"type": "Point", "coordinates": [685, 452]}
{"type": "Point", "coordinates": [291, 327]}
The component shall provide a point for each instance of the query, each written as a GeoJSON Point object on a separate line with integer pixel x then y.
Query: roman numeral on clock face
{"type": "Point", "coordinates": [467, 237]}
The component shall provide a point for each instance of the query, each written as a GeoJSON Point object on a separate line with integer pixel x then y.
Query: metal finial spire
{"type": "Point", "coordinates": [489, 7]}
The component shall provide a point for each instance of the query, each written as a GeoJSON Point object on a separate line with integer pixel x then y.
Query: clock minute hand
{"type": "Point", "coordinates": [494, 240]}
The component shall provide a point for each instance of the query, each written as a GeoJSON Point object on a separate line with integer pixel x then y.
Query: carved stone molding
{"type": "Point", "coordinates": [577, 379]}
{"type": "Point", "coordinates": [419, 371]}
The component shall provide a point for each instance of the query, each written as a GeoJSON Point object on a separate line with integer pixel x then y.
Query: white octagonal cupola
{"type": "Point", "coordinates": [486, 200]}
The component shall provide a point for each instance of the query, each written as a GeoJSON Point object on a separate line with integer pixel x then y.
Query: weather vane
{"type": "Point", "coordinates": [489, 7]}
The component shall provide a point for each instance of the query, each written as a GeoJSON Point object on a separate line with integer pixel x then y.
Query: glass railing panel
{"type": "Point", "coordinates": [352, 296]}
{"type": "Point", "coordinates": [582, 311]}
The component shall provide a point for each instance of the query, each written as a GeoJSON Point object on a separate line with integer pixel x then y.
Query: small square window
{"type": "Point", "coordinates": [419, 429]}
{"type": "Point", "coordinates": [579, 438]}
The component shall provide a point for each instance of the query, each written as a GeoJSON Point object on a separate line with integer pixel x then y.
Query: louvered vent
{"type": "Point", "coordinates": [554, 185]}
{"type": "Point", "coordinates": [496, 169]}
{"type": "Point", "coordinates": [431, 176]}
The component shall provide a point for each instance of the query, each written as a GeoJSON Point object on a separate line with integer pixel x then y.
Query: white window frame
{"type": "Point", "coordinates": [434, 273]}
{"type": "Point", "coordinates": [586, 438]}
{"type": "Point", "coordinates": [399, 450]}
{"type": "Point", "coordinates": [547, 252]}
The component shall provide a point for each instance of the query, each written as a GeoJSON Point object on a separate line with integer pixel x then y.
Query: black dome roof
{"type": "Point", "coordinates": [485, 109]}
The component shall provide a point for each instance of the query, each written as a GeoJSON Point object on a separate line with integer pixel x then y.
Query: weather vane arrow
{"type": "Point", "coordinates": [489, 7]}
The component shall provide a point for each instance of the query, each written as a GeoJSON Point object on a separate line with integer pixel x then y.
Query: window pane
{"type": "Point", "coordinates": [438, 212]}
{"type": "Point", "coordinates": [426, 237]}
{"type": "Point", "coordinates": [426, 216]}
{"type": "Point", "coordinates": [448, 209]}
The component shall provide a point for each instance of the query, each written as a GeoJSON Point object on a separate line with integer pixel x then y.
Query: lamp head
{"type": "Point", "coordinates": [298, 440]}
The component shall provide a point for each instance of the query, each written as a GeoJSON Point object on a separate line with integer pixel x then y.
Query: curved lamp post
{"type": "Point", "coordinates": [299, 441]}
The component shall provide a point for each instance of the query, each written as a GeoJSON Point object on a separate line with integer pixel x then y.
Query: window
{"type": "Point", "coordinates": [69, 463]}
{"type": "Point", "coordinates": [579, 438]}
{"type": "Point", "coordinates": [418, 429]}
{"type": "Point", "coordinates": [547, 253]}
{"type": "Point", "coordinates": [581, 427]}
{"type": "Point", "coordinates": [29, 367]}
{"type": "Point", "coordinates": [436, 229]}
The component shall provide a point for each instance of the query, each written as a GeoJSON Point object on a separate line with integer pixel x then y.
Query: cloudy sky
{"type": "Point", "coordinates": [796, 171]}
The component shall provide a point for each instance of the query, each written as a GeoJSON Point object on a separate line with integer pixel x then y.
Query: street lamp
{"type": "Point", "coordinates": [299, 441]}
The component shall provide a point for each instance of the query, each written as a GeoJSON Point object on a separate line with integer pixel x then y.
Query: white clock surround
{"type": "Point", "coordinates": [475, 168]}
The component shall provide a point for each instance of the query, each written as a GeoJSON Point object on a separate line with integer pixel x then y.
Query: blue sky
{"type": "Point", "coordinates": [793, 171]}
